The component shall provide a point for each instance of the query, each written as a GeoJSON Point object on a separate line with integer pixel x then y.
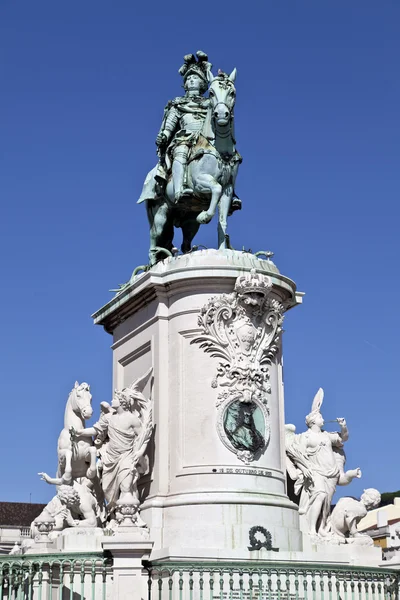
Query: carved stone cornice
{"type": "Point", "coordinates": [181, 272]}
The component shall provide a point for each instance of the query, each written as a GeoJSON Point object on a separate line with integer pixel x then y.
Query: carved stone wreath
{"type": "Point", "coordinates": [243, 330]}
{"type": "Point", "coordinates": [256, 543]}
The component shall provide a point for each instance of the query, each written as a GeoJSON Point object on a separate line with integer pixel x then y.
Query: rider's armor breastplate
{"type": "Point", "coordinates": [191, 122]}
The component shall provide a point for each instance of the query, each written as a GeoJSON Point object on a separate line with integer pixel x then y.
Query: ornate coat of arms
{"type": "Point", "coordinates": [243, 329]}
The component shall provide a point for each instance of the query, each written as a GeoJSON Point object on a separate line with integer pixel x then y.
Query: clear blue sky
{"type": "Point", "coordinates": [84, 84]}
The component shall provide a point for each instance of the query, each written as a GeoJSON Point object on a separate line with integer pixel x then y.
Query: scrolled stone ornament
{"type": "Point", "coordinates": [43, 527]}
{"type": "Point", "coordinates": [243, 329]}
{"type": "Point", "coordinates": [126, 514]}
{"type": "Point", "coordinates": [243, 426]}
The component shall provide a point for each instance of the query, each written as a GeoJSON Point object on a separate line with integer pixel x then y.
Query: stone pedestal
{"type": "Point", "coordinates": [80, 539]}
{"type": "Point", "coordinates": [198, 492]}
{"type": "Point", "coordinates": [129, 578]}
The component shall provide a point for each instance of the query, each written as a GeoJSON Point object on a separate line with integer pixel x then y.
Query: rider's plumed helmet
{"type": "Point", "coordinates": [199, 67]}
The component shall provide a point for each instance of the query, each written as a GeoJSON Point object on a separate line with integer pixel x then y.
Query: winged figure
{"type": "Point", "coordinates": [315, 462]}
{"type": "Point", "coordinates": [122, 435]}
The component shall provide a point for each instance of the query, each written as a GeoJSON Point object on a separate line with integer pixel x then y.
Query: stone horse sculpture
{"type": "Point", "coordinates": [211, 173]}
{"type": "Point", "coordinates": [76, 453]}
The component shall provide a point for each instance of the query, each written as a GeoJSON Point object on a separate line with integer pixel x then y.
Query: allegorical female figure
{"type": "Point", "coordinates": [316, 464]}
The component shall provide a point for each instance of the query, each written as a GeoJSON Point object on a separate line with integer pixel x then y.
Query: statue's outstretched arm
{"type": "Point", "coordinates": [51, 480]}
{"type": "Point", "coordinates": [345, 477]}
{"type": "Point", "coordinates": [348, 476]}
{"type": "Point", "coordinates": [344, 432]}
{"type": "Point", "coordinates": [87, 432]}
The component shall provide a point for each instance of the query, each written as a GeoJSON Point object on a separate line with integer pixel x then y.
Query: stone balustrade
{"type": "Point", "coordinates": [91, 576]}
{"type": "Point", "coordinates": [262, 580]}
{"type": "Point", "coordinates": [43, 577]}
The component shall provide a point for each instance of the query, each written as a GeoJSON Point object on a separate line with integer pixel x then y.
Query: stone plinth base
{"type": "Point", "coordinates": [80, 539]}
{"type": "Point", "coordinates": [222, 520]}
{"type": "Point", "coordinates": [130, 533]}
{"type": "Point", "coordinates": [74, 539]}
{"type": "Point", "coordinates": [41, 547]}
{"type": "Point", "coordinates": [333, 555]}
{"type": "Point", "coordinates": [130, 580]}
{"type": "Point", "coordinates": [201, 490]}
{"type": "Point", "coordinates": [392, 563]}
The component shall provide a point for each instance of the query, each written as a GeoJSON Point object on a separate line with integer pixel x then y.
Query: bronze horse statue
{"type": "Point", "coordinates": [211, 174]}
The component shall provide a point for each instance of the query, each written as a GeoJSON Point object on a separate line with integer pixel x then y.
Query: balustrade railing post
{"type": "Point", "coordinates": [240, 585]}
{"type": "Point", "coordinates": [130, 578]}
{"type": "Point", "coordinates": [251, 585]}
{"type": "Point", "coordinates": [201, 584]}
{"type": "Point", "coordinates": [211, 584]}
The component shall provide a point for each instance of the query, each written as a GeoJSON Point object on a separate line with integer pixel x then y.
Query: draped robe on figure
{"type": "Point", "coordinates": [323, 464]}
{"type": "Point", "coordinates": [117, 456]}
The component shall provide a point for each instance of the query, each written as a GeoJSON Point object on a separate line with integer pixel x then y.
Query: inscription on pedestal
{"type": "Point", "coordinates": [238, 594]}
{"type": "Point", "coordinates": [243, 471]}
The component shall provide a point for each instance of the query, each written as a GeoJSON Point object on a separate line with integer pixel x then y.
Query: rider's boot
{"type": "Point", "coordinates": [236, 203]}
{"type": "Point", "coordinates": [178, 173]}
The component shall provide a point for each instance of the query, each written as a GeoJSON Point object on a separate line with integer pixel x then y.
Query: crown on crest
{"type": "Point", "coordinates": [253, 282]}
{"type": "Point", "coordinates": [199, 67]}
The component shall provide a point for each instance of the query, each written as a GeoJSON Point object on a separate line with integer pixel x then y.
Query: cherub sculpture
{"type": "Point", "coordinates": [316, 464]}
{"type": "Point", "coordinates": [346, 515]}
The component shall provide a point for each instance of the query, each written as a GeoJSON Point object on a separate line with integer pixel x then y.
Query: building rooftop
{"type": "Point", "coordinates": [19, 514]}
{"type": "Point", "coordinates": [381, 516]}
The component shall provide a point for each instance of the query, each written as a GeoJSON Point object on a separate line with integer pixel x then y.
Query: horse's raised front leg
{"type": "Point", "coordinates": [91, 472]}
{"type": "Point", "coordinates": [224, 205]}
{"type": "Point", "coordinates": [208, 182]}
{"type": "Point", "coordinates": [64, 471]}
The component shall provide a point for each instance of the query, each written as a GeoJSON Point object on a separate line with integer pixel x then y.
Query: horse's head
{"type": "Point", "coordinates": [222, 96]}
{"type": "Point", "coordinates": [81, 400]}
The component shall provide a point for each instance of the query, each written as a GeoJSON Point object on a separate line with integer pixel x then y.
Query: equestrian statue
{"type": "Point", "coordinates": [198, 161]}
